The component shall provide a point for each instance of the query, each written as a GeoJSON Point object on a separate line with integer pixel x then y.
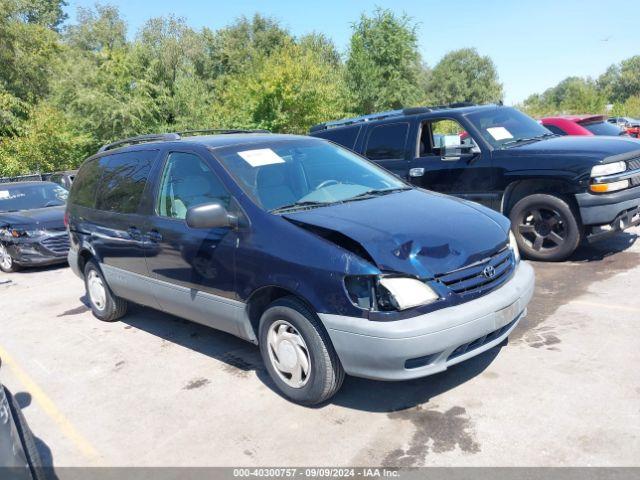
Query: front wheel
{"type": "Point", "coordinates": [545, 227]}
{"type": "Point", "coordinates": [298, 353]}
{"type": "Point", "coordinates": [7, 265]}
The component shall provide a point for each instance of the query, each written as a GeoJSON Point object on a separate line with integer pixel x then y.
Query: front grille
{"type": "Point", "coordinates": [477, 278]}
{"type": "Point", "coordinates": [58, 244]}
{"type": "Point", "coordinates": [633, 164]}
{"type": "Point", "coordinates": [478, 342]}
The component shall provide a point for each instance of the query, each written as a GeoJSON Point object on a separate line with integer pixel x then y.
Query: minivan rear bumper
{"type": "Point", "coordinates": [429, 343]}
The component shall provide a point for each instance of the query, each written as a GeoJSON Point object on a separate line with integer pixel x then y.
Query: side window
{"type": "Point", "coordinates": [439, 134]}
{"type": "Point", "coordinates": [345, 136]}
{"type": "Point", "coordinates": [554, 129]}
{"type": "Point", "coordinates": [187, 181]}
{"type": "Point", "coordinates": [84, 188]}
{"type": "Point", "coordinates": [123, 181]}
{"type": "Point", "coordinates": [387, 142]}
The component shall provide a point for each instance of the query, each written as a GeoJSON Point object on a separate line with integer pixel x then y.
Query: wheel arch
{"type": "Point", "coordinates": [261, 298]}
{"type": "Point", "coordinates": [519, 189]}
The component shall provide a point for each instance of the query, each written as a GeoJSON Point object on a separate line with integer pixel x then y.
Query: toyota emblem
{"type": "Point", "coordinates": [489, 271]}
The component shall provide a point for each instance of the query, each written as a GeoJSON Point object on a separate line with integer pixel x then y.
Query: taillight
{"type": "Point", "coordinates": [66, 219]}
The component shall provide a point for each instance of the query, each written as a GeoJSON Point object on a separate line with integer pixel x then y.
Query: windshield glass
{"type": "Point", "coordinates": [302, 173]}
{"type": "Point", "coordinates": [504, 127]}
{"type": "Point", "coordinates": [602, 128]}
{"type": "Point", "coordinates": [28, 197]}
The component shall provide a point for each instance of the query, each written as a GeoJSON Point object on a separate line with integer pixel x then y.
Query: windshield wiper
{"type": "Point", "coordinates": [518, 141]}
{"type": "Point", "coordinates": [296, 205]}
{"type": "Point", "coordinates": [376, 193]}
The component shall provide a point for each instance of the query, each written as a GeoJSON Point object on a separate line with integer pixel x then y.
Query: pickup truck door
{"type": "Point", "coordinates": [387, 146]}
{"type": "Point", "coordinates": [441, 166]}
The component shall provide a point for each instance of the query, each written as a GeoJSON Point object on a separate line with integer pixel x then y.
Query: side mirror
{"type": "Point", "coordinates": [209, 215]}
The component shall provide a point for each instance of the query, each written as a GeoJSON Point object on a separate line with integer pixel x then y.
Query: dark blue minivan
{"type": "Point", "coordinates": [328, 262]}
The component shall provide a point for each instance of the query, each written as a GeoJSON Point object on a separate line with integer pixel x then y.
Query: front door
{"type": "Point", "coordinates": [193, 269]}
{"type": "Point", "coordinates": [450, 161]}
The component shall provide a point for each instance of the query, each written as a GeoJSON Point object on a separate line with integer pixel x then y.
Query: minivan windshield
{"type": "Point", "coordinates": [288, 175]}
{"type": "Point", "coordinates": [30, 196]}
{"type": "Point", "coordinates": [506, 127]}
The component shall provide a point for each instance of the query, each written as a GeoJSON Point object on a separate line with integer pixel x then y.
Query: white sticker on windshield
{"type": "Point", "coordinates": [499, 133]}
{"type": "Point", "coordinates": [4, 193]}
{"type": "Point", "coordinates": [261, 157]}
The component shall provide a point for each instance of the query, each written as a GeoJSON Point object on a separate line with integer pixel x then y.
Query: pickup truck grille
{"type": "Point", "coordinates": [633, 164]}
{"type": "Point", "coordinates": [58, 244]}
{"type": "Point", "coordinates": [481, 277]}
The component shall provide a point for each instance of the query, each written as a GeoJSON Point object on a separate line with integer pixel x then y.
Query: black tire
{"type": "Point", "coordinates": [326, 374]}
{"type": "Point", "coordinates": [546, 227]}
{"type": "Point", "coordinates": [12, 267]}
{"type": "Point", "coordinates": [38, 472]}
{"type": "Point", "coordinates": [114, 308]}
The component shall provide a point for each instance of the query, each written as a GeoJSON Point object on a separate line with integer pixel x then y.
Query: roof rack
{"type": "Point", "coordinates": [388, 114]}
{"type": "Point", "coordinates": [170, 137]}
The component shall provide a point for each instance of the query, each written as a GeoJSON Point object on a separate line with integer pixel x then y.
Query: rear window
{"type": "Point", "coordinates": [123, 180]}
{"type": "Point", "coordinates": [345, 136]}
{"type": "Point", "coordinates": [387, 141]}
{"type": "Point", "coordinates": [602, 128]}
{"type": "Point", "coordinates": [83, 191]}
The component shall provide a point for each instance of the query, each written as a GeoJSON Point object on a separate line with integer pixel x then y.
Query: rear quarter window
{"type": "Point", "coordinates": [83, 192]}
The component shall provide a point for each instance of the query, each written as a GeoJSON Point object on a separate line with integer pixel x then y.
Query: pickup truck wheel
{"type": "Point", "coordinates": [7, 265]}
{"type": "Point", "coordinates": [298, 353]}
{"type": "Point", "coordinates": [545, 227]}
{"type": "Point", "coordinates": [104, 304]}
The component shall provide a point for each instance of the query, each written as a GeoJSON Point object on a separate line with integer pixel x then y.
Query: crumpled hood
{"type": "Point", "coordinates": [414, 232]}
{"type": "Point", "coordinates": [595, 147]}
{"type": "Point", "coordinates": [50, 217]}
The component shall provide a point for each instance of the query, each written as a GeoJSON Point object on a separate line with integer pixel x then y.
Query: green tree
{"type": "Point", "coordinates": [288, 92]}
{"type": "Point", "coordinates": [47, 142]}
{"type": "Point", "coordinates": [383, 67]}
{"type": "Point", "coordinates": [464, 76]}
{"type": "Point", "coordinates": [97, 30]}
{"type": "Point", "coordinates": [571, 95]}
{"type": "Point", "coordinates": [621, 81]}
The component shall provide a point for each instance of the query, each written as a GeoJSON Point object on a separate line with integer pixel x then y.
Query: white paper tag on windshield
{"type": "Point", "coordinates": [4, 194]}
{"type": "Point", "coordinates": [499, 133]}
{"type": "Point", "coordinates": [261, 157]}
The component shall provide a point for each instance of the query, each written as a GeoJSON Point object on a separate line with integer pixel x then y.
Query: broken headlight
{"type": "Point", "coordinates": [386, 293]}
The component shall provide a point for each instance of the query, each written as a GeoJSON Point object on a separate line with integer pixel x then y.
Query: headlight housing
{"type": "Point", "coordinates": [513, 246]}
{"type": "Point", "coordinates": [608, 169]}
{"type": "Point", "coordinates": [386, 293]}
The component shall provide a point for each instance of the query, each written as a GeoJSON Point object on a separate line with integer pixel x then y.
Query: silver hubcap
{"type": "Point", "coordinates": [97, 292]}
{"type": "Point", "coordinates": [5, 259]}
{"type": "Point", "coordinates": [288, 354]}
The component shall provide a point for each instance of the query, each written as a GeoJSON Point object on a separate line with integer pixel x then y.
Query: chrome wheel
{"type": "Point", "coordinates": [6, 262]}
{"type": "Point", "coordinates": [96, 290]}
{"type": "Point", "coordinates": [289, 354]}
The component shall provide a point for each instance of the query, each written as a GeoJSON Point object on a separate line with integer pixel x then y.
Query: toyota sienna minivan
{"type": "Point", "coordinates": [326, 261]}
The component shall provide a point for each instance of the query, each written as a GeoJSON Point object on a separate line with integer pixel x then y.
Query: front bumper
{"type": "Point", "coordinates": [48, 249]}
{"type": "Point", "coordinates": [605, 209]}
{"type": "Point", "coordinates": [429, 343]}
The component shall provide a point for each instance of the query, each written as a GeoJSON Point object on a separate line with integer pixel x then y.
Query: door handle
{"type": "Point", "coordinates": [155, 236]}
{"type": "Point", "coordinates": [416, 172]}
{"type": "Point", "coordinates": [134, 233]}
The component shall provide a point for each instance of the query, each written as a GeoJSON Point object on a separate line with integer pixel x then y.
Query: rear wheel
{"type": "Point", "coordinates": [104, 304]}
{"type": "Point", "coordinates": [7, 264]}
{"type": "Point", "coordinates": [545, 227]}
{"type": "Point", "coordinates": [298, 353]}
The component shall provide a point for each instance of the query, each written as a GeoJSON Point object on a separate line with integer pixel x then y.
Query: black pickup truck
{"type": "Point", "coordinates": [556, 190]}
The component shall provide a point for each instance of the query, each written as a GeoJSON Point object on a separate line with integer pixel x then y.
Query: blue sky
{"type": "Point", "coordinates": [534, 44]}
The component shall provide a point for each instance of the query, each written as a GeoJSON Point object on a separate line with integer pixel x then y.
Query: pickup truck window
{"type": "Point", "coordinates": [505, 127]}
{"type": "Point", "coordinates": [386, 142]}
